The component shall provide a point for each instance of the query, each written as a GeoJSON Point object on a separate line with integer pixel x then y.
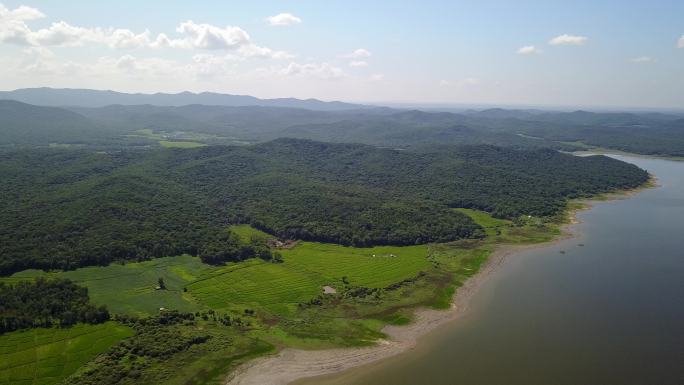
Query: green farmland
{"type": "Point", "coordinates": [306, 269]}
{"type": "Point", "coordinates": [180, 144]}
{"type": "Point", "coordinates": [277, 287]}
{"type": "Point", "coordinates": [373, 287]}
{"type": "Point", "coordinates": [130, 288]}
{"type": "Point", "coordinates": [46, 356]}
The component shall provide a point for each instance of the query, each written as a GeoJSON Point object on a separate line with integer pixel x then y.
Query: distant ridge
{"type": "Point", "coordinates": [70, 97]}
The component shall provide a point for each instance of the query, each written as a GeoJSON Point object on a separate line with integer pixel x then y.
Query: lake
{"type": "Point", "coordinates": [604, 308]}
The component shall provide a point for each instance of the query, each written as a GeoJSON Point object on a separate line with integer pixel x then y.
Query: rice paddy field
{"type": "Point", "coordinates": [46, 356]}
{"type": "Point", "coordinates": [279, 287]}
{"type": "Point", "coordinates": [130, 288]}
{"type": "Point", "coordinates": [307, 267]}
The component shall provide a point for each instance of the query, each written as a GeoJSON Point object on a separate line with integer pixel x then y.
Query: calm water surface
{"type": "Point", "coordinates": [609, 312]}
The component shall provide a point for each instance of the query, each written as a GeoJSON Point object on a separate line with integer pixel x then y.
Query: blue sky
{"type": "Point", "coordinates": [606, 53]}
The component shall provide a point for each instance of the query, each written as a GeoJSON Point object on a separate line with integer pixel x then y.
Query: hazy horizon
{"type": "Point", "coordinates": [427, 106]}
{"type": "Point", "coordinates": [613, 55]}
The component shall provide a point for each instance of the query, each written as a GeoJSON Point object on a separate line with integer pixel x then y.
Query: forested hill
{"type": "Point", "coordinates": [22, 123]}
{"type": "Point", "coordinates": [141, 126]}
{"type": "Point", "coordinates": [69, 208]}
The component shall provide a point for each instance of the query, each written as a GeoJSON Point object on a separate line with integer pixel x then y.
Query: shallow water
{"type": "Point", "coordinates": [609, 312]}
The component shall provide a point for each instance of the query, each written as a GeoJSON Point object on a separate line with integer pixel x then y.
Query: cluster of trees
{"type": "Point", "coordinates": [156, 338]}
{"type": "Point", "coordinates": [225, 319]}
{"type": "Point", "coordinates": [227, 246]}
{"type": "Point", "coordinates": [64, 209]}
{"type": "Point", "coordinates": [46, 303]}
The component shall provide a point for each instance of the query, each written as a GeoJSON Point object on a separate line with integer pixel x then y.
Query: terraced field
{"type": "Point", "coordinates": [46, 356]}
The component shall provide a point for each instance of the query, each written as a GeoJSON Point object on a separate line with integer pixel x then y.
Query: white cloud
{"type": "Point", "coordinates": [207, 36]}
{"type": "Point", "coordinates": [359, 53]}
{"type": "Point", "coordinates": [642, 59]}
{"type": "Point", "coordinates": [283, 20]}
{"type": "Point", "coordinates": [14, 30]}
{"type": "Point", "coordinates": [252, 50]}
{"type": "Point", "coordinates": [41, 61]}
{"type": "Point", "coordinates": [528, 50]}
{"type": "Point", "coordinates": [126, 39]}
{"type": "Point", "coordinates": [210, 37]}
{"type": "Point", "coordinates": [376, 77]}
{"type": "Point", "coordinates": [566, 39]}
{"type": "Point", "coordinates": [64, 34]}
{"type": "Point", "coordinates": [358, 63]}
{"type": "Point", "coordinates": [319, 70]}
{"type": "Point", "coordinates": [680, 43]}
{"type": "Point", "coordinates": [23, 13]}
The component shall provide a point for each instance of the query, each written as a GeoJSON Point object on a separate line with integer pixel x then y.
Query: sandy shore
{"type": "Point", "coordinates": [293, 364]}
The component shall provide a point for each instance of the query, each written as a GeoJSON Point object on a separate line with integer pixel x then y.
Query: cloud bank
{"type": "Point", "coordinates": [190, 35]}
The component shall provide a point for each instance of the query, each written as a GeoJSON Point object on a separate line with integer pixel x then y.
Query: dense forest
{"type": "Point", "coordinates": [46, 303]}
{"type": "Point", "coordinates": [68, 208]}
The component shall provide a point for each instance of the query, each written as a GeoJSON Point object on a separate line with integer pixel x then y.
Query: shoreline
{"type": "Point", "coordinates": [291, 365]}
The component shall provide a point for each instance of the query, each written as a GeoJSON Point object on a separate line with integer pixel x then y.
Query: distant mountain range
{"type": "Point", "coordinates": [122, 120]}
{"type": "Point", "coordinates": [67, 97]}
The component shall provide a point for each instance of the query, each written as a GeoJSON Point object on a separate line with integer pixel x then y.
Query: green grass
{"type": "Point", "coordinates": [279, 287]}
{"type": "Point", "coordinates": [130, 288]}
{"type": "Point", "coordinates": [46, 356]}
{"type": "Point", "coordinates": [246, 232]}
{"type": "Point", "coordinates": [180, 144]}
{"type": "Point", "coordinates": [371, 267]}
{"type": "Point", "coordinates": [484, 219]}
